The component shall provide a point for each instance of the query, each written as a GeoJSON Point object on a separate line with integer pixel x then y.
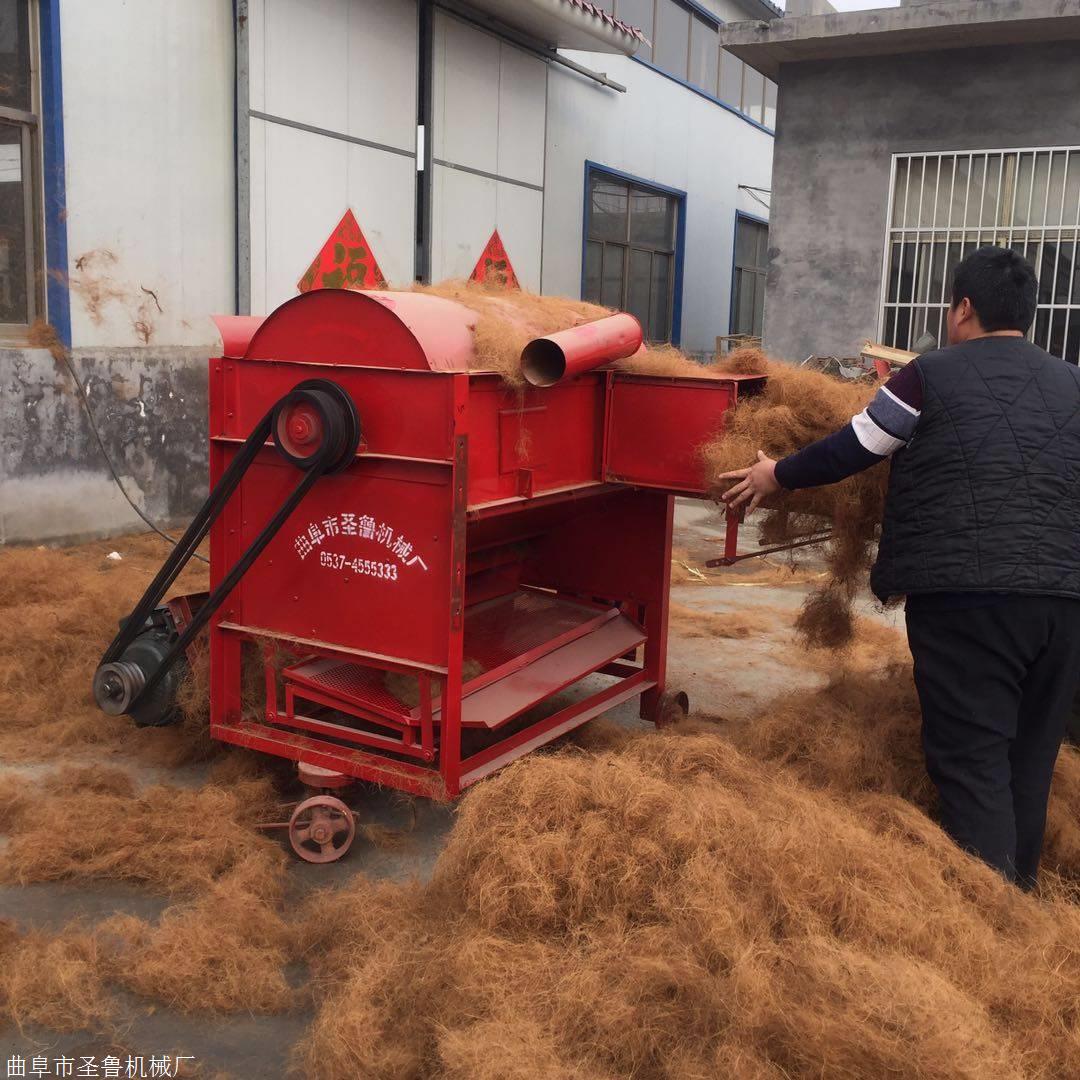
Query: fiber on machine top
{"type": "Point", "coordinates": [507, 320]}
{"type": "Point", "coordinates": [796, 408]}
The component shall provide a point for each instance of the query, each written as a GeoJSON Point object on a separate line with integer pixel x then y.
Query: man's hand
{"type": "Point", "coordinates": [756, 483]}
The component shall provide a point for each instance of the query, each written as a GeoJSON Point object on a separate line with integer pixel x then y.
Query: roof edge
{"type": "Point", "coordinates": [766, 45]}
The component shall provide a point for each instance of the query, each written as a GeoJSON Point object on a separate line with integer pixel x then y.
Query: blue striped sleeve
{"type": "Point", "coordinates": [826, 461]}
{"type": "Point", "coordinates": [882, 428]}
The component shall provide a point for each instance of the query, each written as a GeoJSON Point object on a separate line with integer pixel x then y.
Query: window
{"type": "Point", "coordinates": [751, 263]}
{"type": "Point", "coordinates": [704, 55]}
{"type": "Point", "coordinates": [747, 90]}
{"type": "Point", "coordinates": [671, 47]}
{"type": "Point", "coordinates": [770, 104]}
{"type": "Point", "coordinates": [946, 205]}
{"type": "Point", "coordinates": [18, 147]}
{"type": "Point", "coordinates": [753, 93]}
{"type": "Point", "coordinates": [638, 13]}
{"type": "Point", "coordinates": [630, 250]}
{"type": "Point", "coordinates": [685, 44]}
{"type": "Point", "coordinates": [731, 77]}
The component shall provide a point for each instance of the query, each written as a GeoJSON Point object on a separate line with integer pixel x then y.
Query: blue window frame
{"type": "Point", "coordinates": [633, 239]}
{"type": "Point", "coordinates": [58, 298]}
{"type": "Point", "coordinates": [749, 264]}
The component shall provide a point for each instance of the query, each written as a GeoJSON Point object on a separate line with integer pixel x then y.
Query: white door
{"type": "Point", "coordinates": [489, 110]}
{"type": "Point", "coordinates": [332, 128]}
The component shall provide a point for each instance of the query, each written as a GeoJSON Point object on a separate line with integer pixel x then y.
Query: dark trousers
{"type": "Point", "coordinates": [996, 680]}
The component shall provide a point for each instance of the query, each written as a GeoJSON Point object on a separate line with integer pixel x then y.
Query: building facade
{"type": "Point", "coordinates": [169, 162]}
{"type": "Point", "coordinates": [907, 137]}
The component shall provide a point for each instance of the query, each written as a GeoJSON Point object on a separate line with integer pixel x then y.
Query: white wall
{"type": "Point", "coordinates": [349, 68]}
{"type": "Point", "coordinates": [488, 111]}
{"type": "Point", "coordinates": [662, 132]}
{"type": "Point", "coordinates": [148, 129]}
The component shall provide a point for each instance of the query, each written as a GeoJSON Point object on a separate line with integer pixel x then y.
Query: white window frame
{"type": "Point", "coordinates": [969, 234]}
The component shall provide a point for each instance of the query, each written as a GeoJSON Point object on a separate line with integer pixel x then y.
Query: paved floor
{"type": "Point", "coordinates": [724, 677]}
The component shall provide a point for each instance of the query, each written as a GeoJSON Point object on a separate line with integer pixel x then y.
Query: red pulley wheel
{"type": "Point", "coordinates": [299, 430]}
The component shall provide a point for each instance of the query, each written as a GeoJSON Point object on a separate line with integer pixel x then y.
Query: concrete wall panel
{"type": "Point", "coordinates": [150, 406]}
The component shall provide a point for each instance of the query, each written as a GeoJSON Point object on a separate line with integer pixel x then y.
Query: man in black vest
{"type": "Point", "coordinates": [981, 533]}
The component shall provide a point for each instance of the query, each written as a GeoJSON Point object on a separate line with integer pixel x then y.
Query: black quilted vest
{"type": "Point", "coordinates": [985, 496]}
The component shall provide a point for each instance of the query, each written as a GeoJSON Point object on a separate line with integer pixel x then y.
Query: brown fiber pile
{"type": "Point", "coordinates": [764, 899]}
{"type": "Point", "coordinates": [675, 909]}
{"type": "Point", "coordinates": [59, 609]}
{"type": "Point", "coordinates": [797, 407]}
{"type": "Point", "coordinates": [222, 945]}
{"type": "Point", "coordinates": [861, 733]}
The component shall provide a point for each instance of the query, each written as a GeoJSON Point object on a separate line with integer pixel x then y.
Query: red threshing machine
{"type": "Point", "coordinates": [415, 559]}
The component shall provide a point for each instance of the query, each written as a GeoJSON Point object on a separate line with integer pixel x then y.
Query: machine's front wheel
{"type": "Point", "coordinates": [322, 829]}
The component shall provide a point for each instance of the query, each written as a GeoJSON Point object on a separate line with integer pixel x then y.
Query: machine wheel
{"type": "Point", "coordinates": [321, 829]}
{"type": "Point", "coordinates": [672, 706]}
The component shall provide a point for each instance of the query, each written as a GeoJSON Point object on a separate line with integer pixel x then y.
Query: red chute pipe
{"type": "Point", "coordinates": [548, 360]}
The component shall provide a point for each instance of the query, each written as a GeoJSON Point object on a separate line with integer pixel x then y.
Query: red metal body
{"type": "Point", "coordinates": [430, 613]}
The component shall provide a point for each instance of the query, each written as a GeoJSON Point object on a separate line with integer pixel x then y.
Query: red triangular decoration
{"type": "Point", "coordinates": [493, 267]}
{"type": "Point", "coordinates": [346, 261]}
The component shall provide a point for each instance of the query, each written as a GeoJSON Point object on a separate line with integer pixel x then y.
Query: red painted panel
{"type": "Point", "coordinates": [524, 438]}
{"type": "Point", "coordinates": [401, 412]}
{"type": "Point", "coordinates": [658, 425]}
{"type": "Point", "coordinates": [554, 434]}
{"type": "Point", "coordinates": [368, 329]}
{"type": "Point", "coordinates": [363, 562]}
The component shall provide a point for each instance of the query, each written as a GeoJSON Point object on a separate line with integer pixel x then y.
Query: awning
{"type": "Point", "coordinates": [565, 24]}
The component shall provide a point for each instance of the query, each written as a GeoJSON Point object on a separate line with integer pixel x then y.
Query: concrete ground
{"type": "Point", "coordinates": [724, 677]}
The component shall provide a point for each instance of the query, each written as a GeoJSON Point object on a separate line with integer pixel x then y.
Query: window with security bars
{"type": "Point", "coordinates": [630, 251]}
{"type": "Point", "coordinates": [943, 206]}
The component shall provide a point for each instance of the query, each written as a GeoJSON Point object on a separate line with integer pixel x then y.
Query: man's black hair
{"type": "Point", "coordinates": [1001, 285]}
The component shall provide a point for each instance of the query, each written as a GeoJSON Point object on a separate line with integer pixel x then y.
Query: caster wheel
{"type": "Point", "coordinates": [672, 707]}
{"type": "Point", "coordinates": [321, 829]}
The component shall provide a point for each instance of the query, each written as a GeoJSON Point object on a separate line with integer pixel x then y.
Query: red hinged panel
{"type": "Point", "coordinates": [526, 442]}
{"type": "Point", "coordinates": [524, 438]}
{"type": "Point", "coordinates": [657, 426]}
